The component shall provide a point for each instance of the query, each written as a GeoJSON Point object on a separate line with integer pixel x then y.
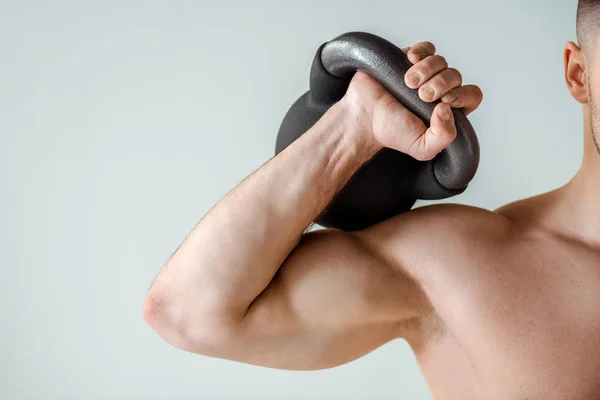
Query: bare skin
{"type": "Point", "coordinates": [501, 304]}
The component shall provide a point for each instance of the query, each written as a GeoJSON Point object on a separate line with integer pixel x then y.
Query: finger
{"type": "Point", "coordinates": [412, 137]}
{"type": "Point", "coordinates": [440, 84]}
{"type": "Point", "coordinates": [424, 71]}
{"type": "Point", "coordinates": [406, 49]}
{"type": "Point", "coordinates": [441, 132]}
{"type": "Point", "coordinates": [467, 97]}
{"type": "Point", "coordinates": [420, 51]}
{"type": "Point", "coordinates": [395, 126]}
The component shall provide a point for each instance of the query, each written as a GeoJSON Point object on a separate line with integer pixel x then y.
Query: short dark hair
{"type": "Point", "coordinates": [588, 22]}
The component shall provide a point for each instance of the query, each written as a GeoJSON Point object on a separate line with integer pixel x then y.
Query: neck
{"type": "Point", "coordinates": [578, 203]}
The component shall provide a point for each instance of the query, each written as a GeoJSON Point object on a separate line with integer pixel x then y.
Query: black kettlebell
{"type": "Point", "coordinates": [392, 181]}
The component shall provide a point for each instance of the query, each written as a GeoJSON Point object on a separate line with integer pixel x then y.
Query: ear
{"type": "Point", "coordinates": [576, 72]}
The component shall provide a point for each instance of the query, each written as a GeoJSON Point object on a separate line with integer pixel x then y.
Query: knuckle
{"type": "Point", "coordinates": [429, 46]}
{"type": "Point", "coordinates": [423, 54]}
{"type": "Point", "coordinates": [430, 65]}
{"type": "Point", "coordinates": [435, 64]}
{"type": "Point", "coordinates": [442, 61]}
{"type": "Point", "coordinates": [442, 83]}
{"type": "Point", "coordinates": [423, 69]}
{"type": "Point", "coordinates": [478, 92]}
{"type": "Point", "coordinates": [423, 50]}
{"type": "Point", "coordinates": [416, 49]}
{"type": "Point", "coordinates": [456, 75]}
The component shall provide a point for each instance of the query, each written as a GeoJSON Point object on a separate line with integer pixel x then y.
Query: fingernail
{"type": "Point", "coordinates": [414, 79]}
{"type": "Point", "coordinates": [445, 114]}
{"type": "Point", "coordinates": [429, 92]}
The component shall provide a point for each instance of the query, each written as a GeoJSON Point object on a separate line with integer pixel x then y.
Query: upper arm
{"type": "Point", "coordinates": [340, 295]}
{"type": "Point", "coordinates": [334, 299]}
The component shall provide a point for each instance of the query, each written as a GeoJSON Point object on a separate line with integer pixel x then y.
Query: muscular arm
{"type": "Point", "coordinates": [247, 285]}
{"type": "Point", "coordinates": [214, 278]}
{"type": "Point", "coordinates": [333, 300]}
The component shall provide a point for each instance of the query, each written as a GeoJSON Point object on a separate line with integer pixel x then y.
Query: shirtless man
{"type": "Point", "coordinates": [500, 304]}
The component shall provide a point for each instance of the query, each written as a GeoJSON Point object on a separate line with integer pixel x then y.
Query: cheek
{"type": "Point", "coordinates": [593, 89]}
{"type": "Point", "coordinates": [594, 80]}
{"type": "Point", "coordinates": [594, 86]}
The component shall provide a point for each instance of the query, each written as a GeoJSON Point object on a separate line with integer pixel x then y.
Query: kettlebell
{"type": "Point", "coordinates": [391, 182]}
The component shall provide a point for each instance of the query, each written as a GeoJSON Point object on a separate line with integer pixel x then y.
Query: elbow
{"type": "Point", "coordinates": [163, 319]}
{"type": "Point", "coordinates": [158, 314]}
{"type": "Point", "coordinates": [185, 327]}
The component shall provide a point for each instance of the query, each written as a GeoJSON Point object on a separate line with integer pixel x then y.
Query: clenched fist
{"type": "Point", "coordinates": [392, 125]}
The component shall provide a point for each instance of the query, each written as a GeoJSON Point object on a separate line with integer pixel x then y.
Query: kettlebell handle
{"type": "Point", "coordinates": [454, 167]}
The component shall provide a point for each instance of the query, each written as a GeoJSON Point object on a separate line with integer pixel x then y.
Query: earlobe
{"type": "Point", "coordinates": [576, 72]}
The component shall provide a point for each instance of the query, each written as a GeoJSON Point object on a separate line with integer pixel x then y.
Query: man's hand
{"type": "Point", "coordinates": [393, 126]}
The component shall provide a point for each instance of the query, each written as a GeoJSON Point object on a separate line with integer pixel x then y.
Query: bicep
{"type": "Point", "coordinates": [333, 300]}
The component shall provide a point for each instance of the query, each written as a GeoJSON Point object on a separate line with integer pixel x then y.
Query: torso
{"type": "Point", "coordinates": [516, 320]}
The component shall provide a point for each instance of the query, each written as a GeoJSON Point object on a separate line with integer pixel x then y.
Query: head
{"type": "Point", "coordinates": [582, 67]}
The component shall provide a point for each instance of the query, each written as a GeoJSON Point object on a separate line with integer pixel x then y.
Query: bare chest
{"type": "Point", "coordinates": [524, 327]}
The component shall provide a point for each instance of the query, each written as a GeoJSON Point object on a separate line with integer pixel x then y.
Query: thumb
{"type": "Point", "coordinates": [441, 132]}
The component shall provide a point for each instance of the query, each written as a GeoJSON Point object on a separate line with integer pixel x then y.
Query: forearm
{"type": "Point", "coordinates": [233, 253]}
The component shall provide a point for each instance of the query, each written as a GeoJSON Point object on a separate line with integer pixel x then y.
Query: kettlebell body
{"type": "Point", "coordinates": [391, 181]}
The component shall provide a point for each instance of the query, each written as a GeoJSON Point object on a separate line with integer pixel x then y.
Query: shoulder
{"type": "Point", "coordinates": [442, 224]}
{"type": "Point", "coordinates": [446, 249]}
{"type": "Point", "coordinates": [436, 245]}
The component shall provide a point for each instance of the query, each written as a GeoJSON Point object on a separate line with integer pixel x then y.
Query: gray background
{"type": "Point", "coordinates": [122, 123]}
